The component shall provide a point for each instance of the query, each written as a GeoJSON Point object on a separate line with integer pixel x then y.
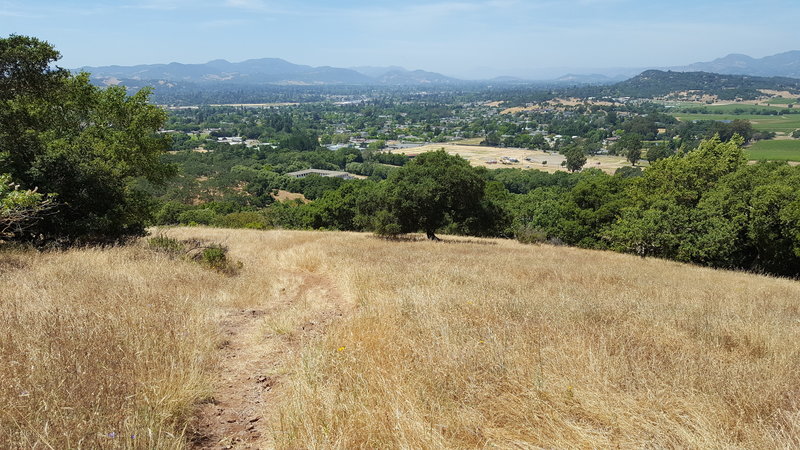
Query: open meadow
{"type": "Point", "coordinates": [774, 150]}
{"type": "Point", "coordinates": [480, 156]}
{"type": "Point", "coordinates": [345, 340]}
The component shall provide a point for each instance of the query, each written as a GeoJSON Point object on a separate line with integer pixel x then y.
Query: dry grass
{"type": "Point", "coordinates": [102, 348]}
{"type": "Point", "coordinates": [384, 344]}
{"type": "Point", "coordinates": [473, 345]}
{"type": "Point", "coordinates": [480, 155]}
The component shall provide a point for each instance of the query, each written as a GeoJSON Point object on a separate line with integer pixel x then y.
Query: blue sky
{"type": "Point", "coordinates": [465, 38]}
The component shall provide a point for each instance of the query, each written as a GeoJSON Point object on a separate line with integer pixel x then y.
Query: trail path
{"type": "Point", "coordinates": [241, 415]}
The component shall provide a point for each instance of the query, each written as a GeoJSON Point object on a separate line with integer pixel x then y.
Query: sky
{"type": "Point", "coordinates": [469, 39]}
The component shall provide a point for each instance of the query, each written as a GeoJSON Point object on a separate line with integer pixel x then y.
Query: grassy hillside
{"type": "Point", "coordinates": [103, 348]}
{"type": "Point", "coordinates": [354, 341]}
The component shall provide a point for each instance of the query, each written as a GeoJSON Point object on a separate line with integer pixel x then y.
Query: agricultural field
{"type": "Point", "coordinates": [345, 340]}
{"type": "Point", "coordinates": [775, 150]}
{"type": "Point", "coordinates": [733, 108]}
{"type": "Point", "coordinates": [481, 156]}
{"type": "Point", "coordinates": [781, 101]}
{"type": "Point", "coordinates": [779, 124]}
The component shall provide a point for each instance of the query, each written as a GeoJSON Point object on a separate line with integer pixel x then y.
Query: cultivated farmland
{"type": "Point", "coordinates": [777, 123]}
{"type": "Point", "coordinates": [775, 150]}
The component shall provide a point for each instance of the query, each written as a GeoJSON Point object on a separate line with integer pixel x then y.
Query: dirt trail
{"type": "Point", "coordinates": [253, 359]}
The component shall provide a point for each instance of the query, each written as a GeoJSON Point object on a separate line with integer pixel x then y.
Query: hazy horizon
{"type": "Point", "coordinates": [466, 39]}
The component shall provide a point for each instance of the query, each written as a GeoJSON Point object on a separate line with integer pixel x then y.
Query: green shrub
{"type": "Point", "coordinates": [245, 219]}
{"type": "Point", "coordinates": [211, 256]}
{"type": "Point", "coordinates": [198, 217]}
{"type": "Point", "coordinates": [528, 234]}
{"type": "Point", "coordinates": [385, 224]}
{"type": "Point", "coordinates": [169, 213]}
{"type": "Point", "coordinates": [166, 244]}
{"type": "Point", "coordinates": [215, 257]}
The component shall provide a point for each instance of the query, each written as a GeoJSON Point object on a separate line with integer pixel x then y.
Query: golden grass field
{"type": "Point", "coordinates": [479, 156]}
{"type": "Point", "coordinates": [369, 343]}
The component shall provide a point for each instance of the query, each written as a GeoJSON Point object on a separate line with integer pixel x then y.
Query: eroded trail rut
{"type": "Point", "coordinates": [255, 355]}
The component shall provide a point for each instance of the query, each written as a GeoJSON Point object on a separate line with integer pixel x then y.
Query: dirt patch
{"type": "Point", "coordinates": [240, 414]}
{"type": "Point", "coordinates": [231, 418]}
{"type": "Point", "coordinates": [282, 196]}
{"type": "Point", "coordinates": [492, 157]}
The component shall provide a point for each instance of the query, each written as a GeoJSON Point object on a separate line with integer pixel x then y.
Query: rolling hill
{"type": "Point", "coordinates": [658, 83]}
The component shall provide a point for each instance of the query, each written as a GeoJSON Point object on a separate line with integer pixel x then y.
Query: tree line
{"type": "Point", "coordinates": [81, 164]}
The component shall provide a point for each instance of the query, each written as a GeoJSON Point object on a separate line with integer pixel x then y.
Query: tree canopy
{"type": "Point", "coordinates": [430, 190]}
{"type": "Point", "coordinates": [87, 145]}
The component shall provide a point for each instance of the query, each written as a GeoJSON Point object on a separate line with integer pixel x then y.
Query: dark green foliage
{"type": "Point", "coordinates": [87, 145]}
{"type": "Point", "coordinates": [202, 216]}
{"type": "Point", "coordinates": [300, 141]}
{"type": "Point", "coordinates": [167, 245]}
{"type": "Point", "coordinates": [351, 207]}
{"type": "Point", "coordinates": [659, 151]}
{"type": "Point", "coordinates": [576, 158]}
{"type": "Point", "coordinates": [657, 83]}
{"type": "Point", "coordinates": [432, 189]}
{"type": "Point", "coordinates": [492, 139]}
{"type": "Point", "coordinates": [215, 257]}
{"type": "Point", "coordinates": [528, 234]}
{"type": "Point", "coordinates": [628, 172]}
{"type": "Point", "coordinates": [523, 181]}
{"type": "Point", "coordinates": [243, 219]}
{"type": "Point", "coordinates": [169, 213]}
{"type": "Point", "coordinates": [386, 224]}
{"type": "Point", "coordinates": [26, 68]}
{"type": "Point", "coordinates": [683, 208]}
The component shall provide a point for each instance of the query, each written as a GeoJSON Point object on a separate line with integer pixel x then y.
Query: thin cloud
{"type": "Point", "coordinates": [224, 23]}
{"type": "Point", "coordinates": [250, 5]}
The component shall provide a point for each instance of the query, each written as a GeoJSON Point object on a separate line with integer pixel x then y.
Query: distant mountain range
{"type": "Point", "coordinates": [277, 72]}
{"type": "Point", "coordinates": [781, 65]}
{"type": "Point", "coordinates": [263, 71]}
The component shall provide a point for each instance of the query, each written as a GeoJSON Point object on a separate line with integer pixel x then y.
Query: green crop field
{"type": "Point", "coordinates": [774, 150]}
{"type": "Point", "coordinates": [785, 123]}
{"type": "Point", "coordinates": [781, 101]}
{"type": "Point", "coordinates": [728, 109]}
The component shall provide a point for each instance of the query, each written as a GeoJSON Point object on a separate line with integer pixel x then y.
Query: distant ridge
{"type": "Point", "coordinates": [264, 71]}
{"type": "Point", "coordinates": [659, 83]}
{"type": "Point", "coordinates": [785, 64]}
{"type": "Point", "coordinates": [279, 72]}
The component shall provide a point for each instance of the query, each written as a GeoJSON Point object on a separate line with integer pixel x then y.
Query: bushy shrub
{"type": "Point", "coordinates": [166, 244]}
{"type": "Point", "coordinates": [245, 219]}
{"type": "Point", "coordinates": [169, 213]}
{"type": "Point", "coordinates": [197, 217]}
{"type": "Point", "coordinates": [212, 256]}
{"type": "Point", "coordinates": [215, 257]}
{"type": "Point", "coordinates": [529, 234]}
{"type": "Point", "coordinates": [385, 224]}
